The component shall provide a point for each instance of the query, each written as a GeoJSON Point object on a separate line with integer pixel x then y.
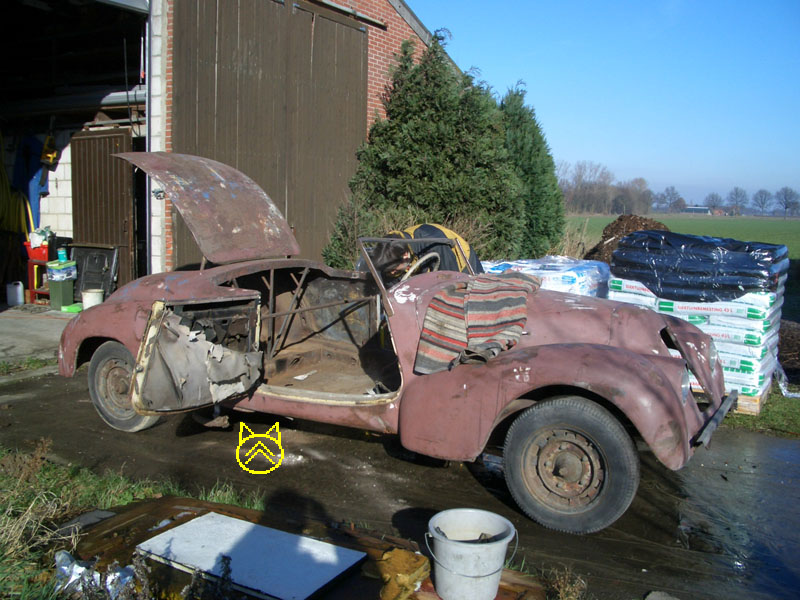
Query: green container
{"type": "Point", "coordinates": [61, 293]}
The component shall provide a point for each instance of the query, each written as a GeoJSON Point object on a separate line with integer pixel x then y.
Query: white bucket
{"type": "Point", "coordinates": [15, 293]}
{"type": "Point", "coordinates": [465, 566]}
{"type": "Point", "coordinates": [91, 298]}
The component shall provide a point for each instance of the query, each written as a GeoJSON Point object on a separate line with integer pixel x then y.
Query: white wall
{"type": "Point", "coordinates": [55, 209]}
{"type": "Point", "coordinates": [157, 127]}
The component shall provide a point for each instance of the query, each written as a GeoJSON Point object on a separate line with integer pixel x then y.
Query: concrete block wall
{"type": "Point", "coordinates": [159, 127]}
{"type": "Point", "coordinates": [55, 209]}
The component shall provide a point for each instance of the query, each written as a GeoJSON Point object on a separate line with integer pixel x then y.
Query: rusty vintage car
{"type": "Point", "coordinates": [257, 330]}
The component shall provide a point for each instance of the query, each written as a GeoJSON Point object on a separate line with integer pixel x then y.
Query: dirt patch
{"type": "Point", "coordinates": [616, 230]}
{"type": "Point", "coordinates": [675, 537]}
{"type": "Point", "coordinates": [789, 349]}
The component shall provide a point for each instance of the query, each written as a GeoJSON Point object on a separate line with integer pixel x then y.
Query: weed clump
{"type": "Point", "coordinates": [35, 497]}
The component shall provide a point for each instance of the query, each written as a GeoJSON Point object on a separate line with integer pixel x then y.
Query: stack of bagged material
{"type": "Point", "coordinates": [560, 273]}
{"type": "Point", "coordinates": [731, 290]}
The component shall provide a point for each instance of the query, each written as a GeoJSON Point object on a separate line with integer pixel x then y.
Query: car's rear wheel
{"type": "Point", "coordinates": [110, 373]}
{"type": "Point", "coordinates": [570, 465]}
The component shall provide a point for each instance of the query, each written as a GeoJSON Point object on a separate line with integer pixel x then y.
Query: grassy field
{"type": "Point", "coordinates": [771, 230]}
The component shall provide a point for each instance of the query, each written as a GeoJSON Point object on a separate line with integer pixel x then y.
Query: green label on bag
{"type": "Point", "coordinates": [748, 391]}
{"type": "Point", "coordinates": [751, 339]}
{"type": "Point", "coordinates": [697, 319]}
{"type": "Point", "coordinates": [756, 313]}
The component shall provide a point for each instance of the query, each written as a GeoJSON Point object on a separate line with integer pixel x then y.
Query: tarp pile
{"type": "Point", "coordinates": [560, 273]}
{"type": "Point", "coordinates": [731, 290]}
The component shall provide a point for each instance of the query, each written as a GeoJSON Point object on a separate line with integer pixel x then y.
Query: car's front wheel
{"type": "Point", "coordinates": [570, 465]}
{"type": "Point", "coordinates": [110, 373]}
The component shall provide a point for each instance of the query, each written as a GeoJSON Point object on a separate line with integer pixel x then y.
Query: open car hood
{"type": "Point", "coordinates": [231, 218]}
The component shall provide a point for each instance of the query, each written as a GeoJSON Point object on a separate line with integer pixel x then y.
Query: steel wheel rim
{"type": "Point", "coordinates": [113, 381]}
{"type": "Point", "coordinates": [563, 469]}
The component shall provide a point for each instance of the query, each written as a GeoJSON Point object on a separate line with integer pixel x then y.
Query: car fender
{"type": "Point", "coordinates": [118, 321]}
{"type": "Point", "coordinates": [451, 414]}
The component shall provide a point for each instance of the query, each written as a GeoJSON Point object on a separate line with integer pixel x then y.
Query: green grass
{"type": "Point", "coordinates": [37, 495]}
{"type": "Point", "coordinates": [771, 230]}
{"type": "Point", "coordinates": [558, 583]}
{"type": "Point", "coordinates": [28, 364]}
{"type": "Point", "coordinates": [778, 416]}
{"type": "Point", "coordinates": [225, 493]}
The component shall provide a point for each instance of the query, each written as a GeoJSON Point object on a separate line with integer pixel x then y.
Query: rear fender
{"type": "Point", "coordinates": [451, 414]}
{"type": "Point", "coordinates": [123, 323]}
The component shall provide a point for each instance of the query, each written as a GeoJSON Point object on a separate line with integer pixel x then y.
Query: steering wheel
{"type": "Point", "coordinates": [430, 257]}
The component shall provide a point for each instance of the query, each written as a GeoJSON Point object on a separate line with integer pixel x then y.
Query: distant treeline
{"type": "Point", "coordinates": [590, 187]}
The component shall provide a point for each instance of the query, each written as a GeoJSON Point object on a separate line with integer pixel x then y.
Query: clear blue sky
{"type": "Point", "coordinates": [703, 95]}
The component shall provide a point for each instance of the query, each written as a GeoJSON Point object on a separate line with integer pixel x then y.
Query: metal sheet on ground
{"type": "Point", "coordinates": [273, 563]}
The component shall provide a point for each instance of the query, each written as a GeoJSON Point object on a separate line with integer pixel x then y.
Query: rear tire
{"type": "Point", "coordinates": [110, 373]}
{"type": "Point", "coordinates": [570, 465]}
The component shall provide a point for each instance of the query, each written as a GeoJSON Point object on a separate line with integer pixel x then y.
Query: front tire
{"type": "Point", "coordinates": [110, 373]}
{"type": "Point", "coordinates": [570, 465]}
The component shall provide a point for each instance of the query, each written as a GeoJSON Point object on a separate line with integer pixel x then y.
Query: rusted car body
{"type": "Point", "coordinates": [262, 332]}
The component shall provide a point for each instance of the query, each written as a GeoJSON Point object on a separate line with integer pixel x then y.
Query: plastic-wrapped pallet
{"type": "Point", "coordinates": [731, 290]}
{"type": "Point", "coordinates": [695, 268]}
{"type": "Point", "coordinates": [560, 273]}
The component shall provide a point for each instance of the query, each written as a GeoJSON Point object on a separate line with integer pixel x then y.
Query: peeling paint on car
{"type": "Point", "coordinates": [522, 374]}
{"type": "Point", "coordinates": [403, 294]}
{"type": "Point", "coordinates": [203, 192]}
{"type": "Point", "coordinates": [576, 303]}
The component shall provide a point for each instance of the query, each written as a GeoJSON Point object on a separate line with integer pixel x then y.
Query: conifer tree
{"type": "Point", "coordinates": [439, 156]}
{"type": "Point", "coordinates": [543, 200]}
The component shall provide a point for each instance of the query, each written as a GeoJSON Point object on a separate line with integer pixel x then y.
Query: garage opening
{"type": "Point", "coordinates": [69, 68]}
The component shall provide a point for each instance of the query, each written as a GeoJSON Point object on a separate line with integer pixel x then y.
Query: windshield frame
{"type": "Point", "coordinates": [362, 249]}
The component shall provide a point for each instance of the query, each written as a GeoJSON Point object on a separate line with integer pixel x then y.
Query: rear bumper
{"type": "Point", "coordinates": [704, 435]}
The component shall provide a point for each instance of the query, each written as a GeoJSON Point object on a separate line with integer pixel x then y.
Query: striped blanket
{"type": "Point", "coordinates": [474, 320]}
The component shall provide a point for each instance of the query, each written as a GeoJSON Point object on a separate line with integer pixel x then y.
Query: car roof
{"type": "Point", "coordinates": [231, 218]}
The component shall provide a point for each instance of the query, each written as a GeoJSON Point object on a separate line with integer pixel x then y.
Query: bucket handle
{"type": "Point", "coordinates": [513, 554]}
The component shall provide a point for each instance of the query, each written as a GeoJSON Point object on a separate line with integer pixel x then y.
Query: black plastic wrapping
{"type": "Point", "coordinates": [692, 268]}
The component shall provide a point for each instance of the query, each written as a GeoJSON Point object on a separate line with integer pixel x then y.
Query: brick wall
{"type": "Point", "coordinates": [383, 45]}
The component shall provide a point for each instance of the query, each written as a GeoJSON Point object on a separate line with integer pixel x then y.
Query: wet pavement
{"type": "Point", "coordinates": [726, 526]}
